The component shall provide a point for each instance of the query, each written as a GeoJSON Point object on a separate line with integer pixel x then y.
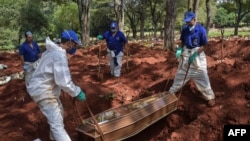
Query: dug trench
{"type": "Point", "coordinates": [146, 71]}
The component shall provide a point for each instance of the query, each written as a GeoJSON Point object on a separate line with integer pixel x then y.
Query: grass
{"type": "Point", "coordinates": [229, 32]}
{"type": "Point", "coordinates": [244, 31]}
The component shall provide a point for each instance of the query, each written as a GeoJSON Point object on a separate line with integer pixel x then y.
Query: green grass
{"type": "Point", "coordinates": [244, 31]}
{"type": "Point", "coordinates": [228, 32]}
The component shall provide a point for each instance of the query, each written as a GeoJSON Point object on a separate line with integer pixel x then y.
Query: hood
{"type": "Point", "coordinates": [50, 45]}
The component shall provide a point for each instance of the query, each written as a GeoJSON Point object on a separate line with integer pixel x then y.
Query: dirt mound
{"type": "Point", "coordinates": [146, 71]}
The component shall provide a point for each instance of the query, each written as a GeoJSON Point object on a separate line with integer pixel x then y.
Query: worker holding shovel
{"type": "Point", "coordinates": [116, 41]}
{"type": "Point", "coordinates": [50, 77]}
{"type": "Point", "coordinates": [193, 63]}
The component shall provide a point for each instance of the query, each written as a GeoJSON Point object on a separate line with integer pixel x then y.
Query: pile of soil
{"type": "Point", "coordinates": [146, 71]}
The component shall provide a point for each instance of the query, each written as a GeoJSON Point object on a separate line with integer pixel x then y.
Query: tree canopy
{"type": "Point", "coordinates": [92, 17]}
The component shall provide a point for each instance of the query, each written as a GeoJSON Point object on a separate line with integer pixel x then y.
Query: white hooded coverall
{"type": "Point", "coordinates": [50, 77]}
{"type": "Point", "coordinates": [197, 71]}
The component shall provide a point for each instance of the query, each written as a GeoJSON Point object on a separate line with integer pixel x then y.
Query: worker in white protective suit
{"type": "Point", "coordinates": [193, 59]}
{"type": "Point", "coordinates": [51, 76]}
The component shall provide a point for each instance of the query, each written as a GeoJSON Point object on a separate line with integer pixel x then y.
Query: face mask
{"type": "Point", "coordinates": [191, 28]}
{"type": "Point", "coordinates": [71, 51]}
{"type": "Point", "coordinates": [113, 30]}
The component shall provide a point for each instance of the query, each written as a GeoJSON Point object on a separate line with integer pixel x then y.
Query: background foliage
{"type": "Point", "coordinates": [50, 17]}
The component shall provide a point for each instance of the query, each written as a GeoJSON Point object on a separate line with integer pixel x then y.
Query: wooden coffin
{"type": "Point", "coordinates": [127, 120]}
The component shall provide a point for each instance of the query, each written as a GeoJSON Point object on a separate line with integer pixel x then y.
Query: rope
{"type": "Point", "coordinates": [183, 83]}
{"type": "Point", "coordinates": [99, 61]}
{"type": "Point", "coordinates": [127, 59]}
{"type": "Point", "coordinates": [98, 127]}
{"type": "Point", "coordinates": [165, 87]}
{"type": "Point", "coordinates": [68, 108]}
{"type": "Point", "coordinates": [77, 111]}
{"type": "Point", "coordinates": [92, 115]}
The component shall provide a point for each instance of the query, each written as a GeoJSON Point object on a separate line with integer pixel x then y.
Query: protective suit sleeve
{"type": "Point", "coordinates": [63, 77]}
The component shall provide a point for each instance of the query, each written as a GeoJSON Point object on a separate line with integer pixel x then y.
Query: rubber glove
{"type": "Point", "coordinates": [192, 57]}
{"type": "Point", "coordinates": [99, 37]}
{"type": "Point", "coordinates": [178, 52]}
{"type": "Point", "coordinates": [81, 96]}
{"type": "Point", "coordinates": [25, 67]}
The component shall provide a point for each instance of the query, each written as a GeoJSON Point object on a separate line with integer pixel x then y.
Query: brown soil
{"type": "Point", "coordinates": [146, 71]}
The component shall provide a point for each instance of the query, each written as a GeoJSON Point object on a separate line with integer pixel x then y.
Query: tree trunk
{"type": "Point", "coordinates": [195, 6]}
{"type": "Point", "coordinates": [208, 6]}
{"type": "Point", "coordinates": [133, 23]}
{"type": "Point", "coordinates": [84, 17]}
{"type": "Point", "coordinates": [170, 24]}
{"type": "Point", "coordinates": [241, 13]}
{"type": "Point", "coordinates": [152, 12]}
{"type": "Point", "coordinates": [119, 12]}
{"type": "Point", "coordinates": [142, 18]}
{"type": "Point", "coordinates": [155, 29]}
{"type": "Point", "coordinates": [189, 5]}
{"type": "Point", "coordinates": [134, 32]}
{"type": "Point", "coordinates": [142, 24]}
{"type": "Point", "coordinates": [238, 18]}
{"type": "Point", "coordinates": [236, 27]}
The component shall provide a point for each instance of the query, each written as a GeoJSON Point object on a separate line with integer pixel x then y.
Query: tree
{"type": "Point", "coordinates": [32, 18]}
{"type": "Point", "coordinates": [156, 10]}
{"type": "Point", "coordinates": [101, 18]}
{"type": "Point", "coordinates": [223, 18]}
{"type": "Point", "coordinates": [189, 5]}
{"type": "Point", "coordinates": [246, 20]}
{"type": "Point", "coordinates": [10, 21]}
{"type": "Point", "coordinates": [243, 8]}
{"type": "Point", "coordinates": [60, 22]}
{"type": "Point", "coordinates": [195, 6]}
{"type": "Point", "coordinates": [208, 7]}
{"type": "Point", "coordinates": [84, 19]}
{"type": "Point", "coordinates": [119, 12]}
{"type": "Point", "coordinates": [170, 24]}
{"type": "Point", "coordinates": [142, 16]}
{"type": "Point", "coordinates": [239, 7]}
{"type": "Point", "coordinates": [132, 12]}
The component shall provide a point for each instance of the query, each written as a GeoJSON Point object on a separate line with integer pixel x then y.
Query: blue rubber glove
{"type": "Point", "coordinates": [178, 52]}
{"type": "Point", "coordinates": [192, 57]}
{"type": "Point", "coordinates": [99, 37]}
{"type": "Point", "coordinates": [81, 96]}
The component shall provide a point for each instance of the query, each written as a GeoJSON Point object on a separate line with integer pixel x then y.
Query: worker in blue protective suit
{"type": "Point", "coordinates": [29, 53]}
{"type": "Point", "coordinates": [116, 41]}
{"type": "Point", "coordinates": [193, 59]}
{"type": "Point", "coordinates": [50, 77]}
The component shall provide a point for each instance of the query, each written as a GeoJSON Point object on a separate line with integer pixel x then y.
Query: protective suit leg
{"type": "Point", "coordinates": [53, 111]}
{"type": "Point", "coordinates": [29, 72]}
{"type": "Point", "coordinates": [201, 78]}
{"type": "Point", "coordinates": [203, 85]}
{"type": "Point", "coordinates": [178, 80]}
{"type": "Point", "coordinates": [117, 68]}
{"type": "Point", "coordinates": [112, 64]}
